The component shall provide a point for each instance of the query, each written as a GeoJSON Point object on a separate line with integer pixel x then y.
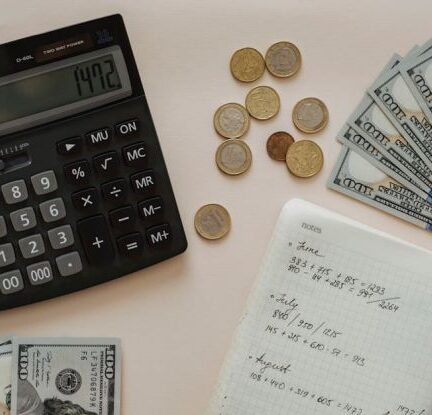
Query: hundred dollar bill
{"type": "Point", "coordinates": [357, 178]}
{"type": "Point", "coordinates": [370, 121]}
{"type": "Point", "coordinates": [5, 340]}
{"type": "Point", "coordinates": [418, 75]}
{"type": "Point", "coordinates": [357, 142]}
{"type": "Point", "coordinates": [5, 378]}
{"type": "Point", "coordinates": [66, 376]}
{"type": "Point", "coordinates": [394, 97]}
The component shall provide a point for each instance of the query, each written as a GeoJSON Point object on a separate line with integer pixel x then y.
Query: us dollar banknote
{"type": "Point", "coordinates": [370, 121]}
{"type": "Point", "coordinates": [394, 97]}
{"type": "Point", "coordinates": [5, 377]}
{"type": "Point", "coordinates": [357, 178]}
{"type": "Point", "coordinates": [418, 75]}
{"type": "Point", "coordinates": [66, 376]}
{"type": "Point", "coordinates": [360, 144]}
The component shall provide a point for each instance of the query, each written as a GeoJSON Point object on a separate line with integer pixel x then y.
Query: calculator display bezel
{"type": "Point", "coordinates": [74, 107]}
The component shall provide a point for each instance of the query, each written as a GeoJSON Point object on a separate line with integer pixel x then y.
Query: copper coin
{"type": "Point", "coordinates": [278, 144]}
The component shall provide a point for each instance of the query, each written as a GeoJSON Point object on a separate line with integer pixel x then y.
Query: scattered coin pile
{"type": "Point", "coordinates": [304, 158]}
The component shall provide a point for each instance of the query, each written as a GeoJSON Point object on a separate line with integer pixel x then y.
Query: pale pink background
{"type": "Point", "coordinates": [176, 319]}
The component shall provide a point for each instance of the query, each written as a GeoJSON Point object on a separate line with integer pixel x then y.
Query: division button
{"type": "Point", "coordinates": [98, 137]}
{"type": "Point", "coordinates": [106, 164]}
{"type": "Point", "coordinates": [143, 182]}
{"type": "Point", "coordinates": [115, 191]}
{"type": "Point", "coordinates": [159, 235]}
{"type": "Point", "coordinates": [7, 255]}
{"type": "Point", "coordinates": [61, 237]}
{"type": "Point", "coordinates": [11, 282]}
{"type": "Point", "coordinates": [129, 128]}
{"type": "Point", "coordinates": [123, 217]}
{"type": "Point", "coordinates": [14, 192]}
{"type": "Point", "coordinates": [135, 155]}
{"type": "Point", "coordinates": [78, 173]}
{"type": "Point", "coordinates": [53, 210]}
{"type": "Point", "coordinates": [44, 183]}
{"type": "Point", "coordinates": [151, 208]}
{"type": "Point", "coordinates": [69, 264]}
{"type": "Point", "coordinates": [95, 239]}
{"type": "Point", "coordinates": [32, 246]}
{"type": "Point", "coordinates": [70, 146]}
{"type": "Point", "coordinates": [130, 245]}
{"type": "Point", "coordinates": [86, 199]}
{"type": "Point", "coordinates": [39, 273]}
{"type": "Point", "coordinates": [23, 219]}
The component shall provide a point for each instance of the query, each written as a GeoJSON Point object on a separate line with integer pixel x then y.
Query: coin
{"type": "Point", "coordinates": [283, 59]}
{"type": "Point", "coordinates": [233, 157]}
{"type": "Point", "coordinates": [247, 65]}
{"type": "Point", "coordinates": [231, 120]}
{"type": "Point", "coordinates": [304, 158]}
{"type": "Point", "coordinates": [310, 115]}
{"type": "Point", "coordinates": [278, 144]}
{"type": "Point", "coordinates": [262, 102]}
{"type": "Point", "coordinates": [212, 221]}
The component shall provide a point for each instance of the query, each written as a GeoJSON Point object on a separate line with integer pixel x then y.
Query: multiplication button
{"type": "Point", "coordinates": [11, 282]}
{"type": "Point", "coordinates": [69, 264]}
{"type": "Point", "coordinates": [86, 199]}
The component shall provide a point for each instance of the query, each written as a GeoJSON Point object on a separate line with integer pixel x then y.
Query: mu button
{"type": "Point", "coordinates": [135, 155]}
{"type": "Point", "coordinates": [143, 182]}
{"type": "Point", "coordinates": [101, 136]}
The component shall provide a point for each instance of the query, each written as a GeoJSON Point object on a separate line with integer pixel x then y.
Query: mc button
{"type": "Point", "coordinates": [135, 155]}
{"type": "Point", "coordinates": [143, 182]}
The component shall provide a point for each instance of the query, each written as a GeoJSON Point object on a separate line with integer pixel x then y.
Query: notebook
{"type": "Point", "coordinates": [339, 322]}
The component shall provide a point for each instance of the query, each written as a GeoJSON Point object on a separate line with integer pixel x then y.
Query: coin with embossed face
{"type": "Point", "coordinates": [304, 158]}
{"type": "Point", "coordinates": [247, 65]}
{"type": "Point", "coordinates": [278, 144]}
{"type": "Point", "coordinates": [231, 120]}
{"type": "Point", "coordinates": [212, 221]}
{"type": "Point", "coordinates": [233, 157]}
{"type": "Point", "coordinates": [262, 102]}
{"type": "Point", "coordinates": [283, 59]}
{"type": "Point", "coordinates": [310, 115]}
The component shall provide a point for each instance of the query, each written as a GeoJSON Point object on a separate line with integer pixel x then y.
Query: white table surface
{"type": "Point", "coordinates": [177, 318]}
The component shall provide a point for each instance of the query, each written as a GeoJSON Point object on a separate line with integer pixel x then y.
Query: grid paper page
{"type": "Point", "coordinates": [339, 322]}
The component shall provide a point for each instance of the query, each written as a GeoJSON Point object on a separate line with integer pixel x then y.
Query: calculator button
{"type": "Point", "coordinates": [107, 163]}
{"type": "Point", "coordinates": [115, 191]}
{"type": "Point", "coordinates": [7, 255]}
{"type": "Point", "coordinates": [31, 246]}
{"type": "Point", "coordinates": [86, 199]}
{"type": "Point", "coordinates": [39, 273]}
{"type": "Point", "coordinates": [131, 244]}
{"type": "Point", "coordinates": [11, 282]}
{"type": "Point", "coordinates": [53, 210]}
{"type": "Point", "coordinates": [78, 173]}
{"type": "Point", "coordinates": [44, 183]}
{"type": "Point", "coordinates": [14, 192]}
{"type": "Point", "coordinates": [151, 208]}
{"type": "Point", "coordinates": [3, 228]}
{"type": "Point", "coordinates": [23, 219]}
{"type": "Point", "coordinates": [135, 155]}
{"type": "Point", "coordinates": [101, 136]}
{"type": "Point", "coordinates": [122, 217]}
{"type": "Point", "coordinates": [61, 237]}
{"type": "Point", "coordinates": [143, 182]}
{"type": "Point", "coordinates": [69, 264]}
{"type": "Point", "coordinates": [129, 128]}
{"type": "Point", "coordinates": [96, 240]}
{"type": "Point", "coordinates": [159, 235]}
{"type": "Point", "coordinates": [70, 146]}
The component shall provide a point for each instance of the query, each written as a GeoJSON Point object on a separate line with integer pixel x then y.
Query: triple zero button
{"type": "Point", "coordinates": [96, 239]}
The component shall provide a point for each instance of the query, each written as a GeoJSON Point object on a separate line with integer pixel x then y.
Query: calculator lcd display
{"type": "Point", "coordinates": [62, 88]}
{"type": "Point", "coordinates": [59, 87]}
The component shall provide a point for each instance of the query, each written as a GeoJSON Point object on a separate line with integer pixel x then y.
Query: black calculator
{"type": "Point", "coordinates": [85, 193]}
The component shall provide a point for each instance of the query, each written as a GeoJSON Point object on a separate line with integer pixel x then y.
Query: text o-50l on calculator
{"type": "Point", "coordinates": [85, 194]}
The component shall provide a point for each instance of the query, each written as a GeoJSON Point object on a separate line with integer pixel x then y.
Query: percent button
{"type": "Point", "coordinates": [78, 173]}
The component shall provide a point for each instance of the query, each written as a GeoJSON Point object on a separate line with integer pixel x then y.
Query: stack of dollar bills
{"type": "Point", "coordinates": [386, 159]}
{"type": "Point", "coordinates": [48, 376]}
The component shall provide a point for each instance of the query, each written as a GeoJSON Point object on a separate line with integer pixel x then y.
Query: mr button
{"type": "Point", "coordinates": [143, 182]}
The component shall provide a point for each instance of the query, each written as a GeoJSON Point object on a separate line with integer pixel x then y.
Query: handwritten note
{"type": "Point", "coordinates": [339, 322]}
